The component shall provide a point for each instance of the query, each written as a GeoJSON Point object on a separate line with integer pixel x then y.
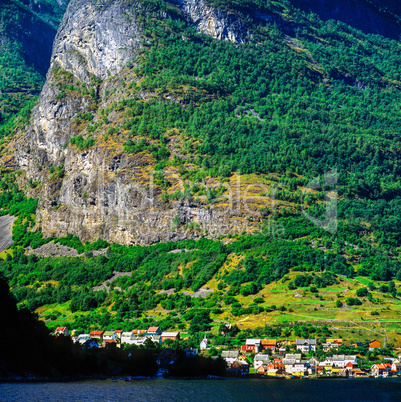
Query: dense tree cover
{"type": "Point", "coordinates": [327, 98]}
{"type": "Point", "coordinates": [23, 59]}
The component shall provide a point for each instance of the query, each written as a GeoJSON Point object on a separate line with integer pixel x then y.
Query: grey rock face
{"type": "Point", "coordinates": [213, 22]}
{"type": "Point", "coordinates": [96, 37]}
{"type": "Point", "coordinates": [105, 193]}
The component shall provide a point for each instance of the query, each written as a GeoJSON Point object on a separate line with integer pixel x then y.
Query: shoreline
{"type": "Point", "coordinates": [67, 379]}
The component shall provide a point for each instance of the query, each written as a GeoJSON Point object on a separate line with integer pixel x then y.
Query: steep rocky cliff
{"type": "Point", "coordinates": [102, 191]}
{"type": "Point", "coordinates": [97, 171]}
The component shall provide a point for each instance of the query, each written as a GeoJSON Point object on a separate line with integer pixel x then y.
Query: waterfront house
{"type": "Point", "coordinates": [262, 370]}
{"type": "Point", "coordinates": [153, 331]}
{"type": "Point", "coordinates": [61, 331]}
{"type": "Point", "coordinates": [374, 344]}
{"type": "Point", "coordinates": [383, 369]}
{"type": "Point", "coordinates": [396, 367]}
{"type": "Point", "coordinates": [260, 360]}
{"type": "Point", "coordinates": [204, 343]}
{"type": "Point", "coordinates": [342, 360]}
{"type": "Point", "coordinates": [96, 334]}
{"type": "Point", "coordinates": [241, 367]}
{"type": "Point", "coordinates": [230, 356]}
{"type": "Point", "coordinates": [266, 344]}
{"type": "Point", "coordinates": [275, 368]}
{"type": "Point", "coordinates": [306, 345]}
{"type": "Point", "coordinates": [299, 369]}
{"type": "Point", "coordinates": [174, 336]}
{"type": "Point", "coordinates": [251, 346]}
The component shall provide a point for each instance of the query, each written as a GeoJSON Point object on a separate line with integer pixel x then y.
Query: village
{"type": "Point", "coordinates": [265, 358]}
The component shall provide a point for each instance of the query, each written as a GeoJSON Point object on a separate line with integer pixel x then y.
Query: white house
{"type": "Point", "coordinates": [127, 337]}
{"type": "Point", "coordinates": [251, 345]}
{"type": "Point", "coordinates": [81, 339]}
{"type": "Point", "coordinates": [204, 343]}
{"type": "Point", "coordinates": [341, 361]}
{"type": "Point", "coordinates": [290, 359]}
{"type": "Point", "coordinates": [109, 336]}
{"type": "Point", "coordinates": [260, 360]}
{"type": "Point", "coordinates": [230, 356]}
{"type": "Point", "coordinates": [306, 345]}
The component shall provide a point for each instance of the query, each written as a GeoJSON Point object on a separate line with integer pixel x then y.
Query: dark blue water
{"type": "Point", "coordinates": [208, 390]}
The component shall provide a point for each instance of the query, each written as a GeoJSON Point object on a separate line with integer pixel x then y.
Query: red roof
{"type": "Point", "coordinates": [383, 365]}
{"type": "Point", "coordinates": [153, 329]}
{"type": "Point", "coordinates": [109, 341]}
{"type": "Point", "coordinates": [96, 333]}
{"type": "Point", "coordinates": [61, 329]}
{"type": "Point", "coordinates": [118, 331]}
{"type": "Point", "coordinates": [349, 364]}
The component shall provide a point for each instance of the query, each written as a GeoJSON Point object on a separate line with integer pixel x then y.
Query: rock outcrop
{"type": "Point", "coordinates": [102, 192]}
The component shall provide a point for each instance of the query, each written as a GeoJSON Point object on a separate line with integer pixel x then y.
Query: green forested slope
{"type": "Point", "coordinates": [302, 96]}
{"type": "Point", "coordinates": [27, 30]}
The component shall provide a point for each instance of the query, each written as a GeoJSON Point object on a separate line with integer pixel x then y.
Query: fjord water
{"type": "Point", "coordinates": [208, 390]}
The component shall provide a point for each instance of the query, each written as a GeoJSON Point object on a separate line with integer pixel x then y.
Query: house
{"type": "Point", "coordinates": [274, 368]}
{"type": "Point", "coordinates": [260, 360]}
{"type": "Point", "coordinates": [139, 331]}
{"type": "Point", "coordinates": [356, 372]}
{"type": "Point", "coordinates": [374, 344]}
{"type": "Point", "coordinates": [383, 369]}
{"type": "Point", "coordinates": [61, 331]}
{"type": "Point", "coordinates": [292, 358]}
{"type": "Point", "coordinates": [81, 339]}
{"type": "Point", "coordinates": [90, 344]}
{"type": "Point", "coordinates": [118, 332]}
{"type": "Point", "coordinates": [299, 369]}
{"type": "Point", "coordinates": [262, 370]}
{"type": "Point", "coordinates": [127, 337]}
{"type": "Point", "coordinates": [110, 336]}
{"type": "Point", "coordinates": [241, 367]}
{"type": "Point", "coordinates": [204, 343]}
{"type": "Point", "coordinates": [174, 336]}
{"type": "Point", "coordinates": [357, 344]}
{"type": "Point", "coordinates": [396, 367]}
{"type": "Point", "coordinates": [306, 345]}
{"type": "Point", "coordinates": [230, 356]}
{"type": "Point", "coordinates": [332, 344]}
{"type": "Point", "coordinates": [268, 344]}
{"type": "Point", "coordinates": [96, 334]}
{"type": "Point", "coordinates": [251, 346]}
{"type": "Point", "coordinates": [153, 331]}
{"type": "Point", "coordinates": [342, 360]}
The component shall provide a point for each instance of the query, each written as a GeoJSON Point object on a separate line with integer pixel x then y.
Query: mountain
{"type": "Point", "coordinates": [245, 151]}
{"type": "Point", "coordinates": [27, 31]}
